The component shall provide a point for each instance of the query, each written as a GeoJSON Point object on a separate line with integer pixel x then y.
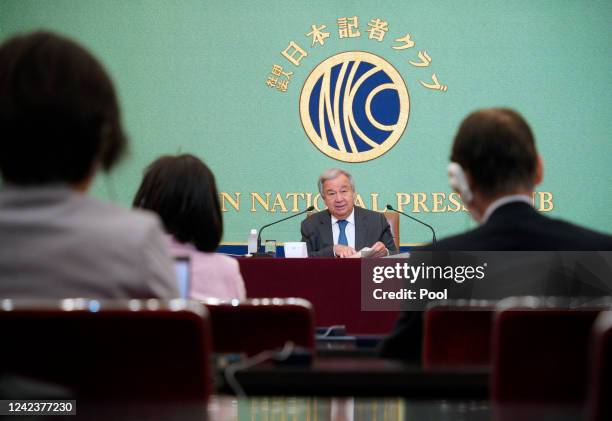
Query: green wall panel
{"type": "Point", "coordinates": [191, 78]}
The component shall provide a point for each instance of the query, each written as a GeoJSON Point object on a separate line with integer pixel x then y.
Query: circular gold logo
{"type": "Point", "coordinates": [354, 106]}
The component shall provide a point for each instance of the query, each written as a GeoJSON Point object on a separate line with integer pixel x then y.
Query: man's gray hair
{"type": "Point", "coordinates": [332, 173]}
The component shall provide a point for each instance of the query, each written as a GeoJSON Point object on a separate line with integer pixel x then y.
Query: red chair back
{"type": "Point", "coordinates": [600, 385]}
{"type": "Point", "coordinates": [137, 351]}
{"type": "Point", "coordinates": [540, 355]}
{"type": "Point", "coordinates": [457, 335]}
{"type": "Point", "coordinates": [255, 325]}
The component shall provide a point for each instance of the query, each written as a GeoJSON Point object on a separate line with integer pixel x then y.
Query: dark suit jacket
{"type": "Point", "coordinates": [515, 226]}
{"type": "Point", "coordinates": [370, 227]}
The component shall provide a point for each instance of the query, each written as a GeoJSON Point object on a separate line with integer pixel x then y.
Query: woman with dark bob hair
{"type": "Point", "coordinates": [182, 191]}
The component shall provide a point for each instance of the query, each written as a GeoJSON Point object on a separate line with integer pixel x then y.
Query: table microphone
{"type": "Point", "coordinates": [308, 209]}
{"type": "Point", "coordinates": [389, 207]}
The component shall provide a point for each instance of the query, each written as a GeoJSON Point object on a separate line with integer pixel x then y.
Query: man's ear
{"type": "Point", "coordinates": [460, 181]}
{"type": "Point", "coordinates": [472, 187]}
{"type": "Point", "coordinates": [539, 173]}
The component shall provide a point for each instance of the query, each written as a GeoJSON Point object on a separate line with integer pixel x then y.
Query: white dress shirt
{"type": "Point", "coordinates": [349, 229]}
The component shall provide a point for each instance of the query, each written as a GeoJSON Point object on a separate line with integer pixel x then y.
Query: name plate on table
{"type": "Point", "coordinates": [296, 249]}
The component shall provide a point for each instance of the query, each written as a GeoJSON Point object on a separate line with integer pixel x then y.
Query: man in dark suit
{"type": "Point", "coordinates": [343, 229]}
{"type": "Point", "coordinates": [495, 167]}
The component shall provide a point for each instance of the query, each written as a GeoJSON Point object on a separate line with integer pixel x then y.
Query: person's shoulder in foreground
{"type": "Point", "coordinates": [518, 226]}
{"type": "Point", "coordinates": [138, 236]}
{"type": "Point", "coordinates": [56, 242]}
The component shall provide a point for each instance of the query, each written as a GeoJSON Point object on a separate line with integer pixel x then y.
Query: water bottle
{"type": "Point", "coordinates": [252, 243]}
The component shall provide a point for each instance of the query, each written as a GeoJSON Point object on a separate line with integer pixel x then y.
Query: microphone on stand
{"type": "Point", "coordinates": [259, 253]}
{"type": "Point", "coordinates": [434, 242]}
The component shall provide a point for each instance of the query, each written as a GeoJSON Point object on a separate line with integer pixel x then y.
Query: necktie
{"type": "Point", "coordinates": [342, 237]}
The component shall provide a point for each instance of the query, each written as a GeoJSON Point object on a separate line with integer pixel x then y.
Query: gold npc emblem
{"type": "Point", "coordinates": [354, 106]}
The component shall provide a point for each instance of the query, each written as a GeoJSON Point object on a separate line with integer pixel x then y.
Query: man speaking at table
{"type": "Point", "coordinates": [343, 229]}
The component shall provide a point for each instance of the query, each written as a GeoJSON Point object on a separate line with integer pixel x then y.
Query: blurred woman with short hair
{"type": "Point", "coordinates": [182, 191]}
